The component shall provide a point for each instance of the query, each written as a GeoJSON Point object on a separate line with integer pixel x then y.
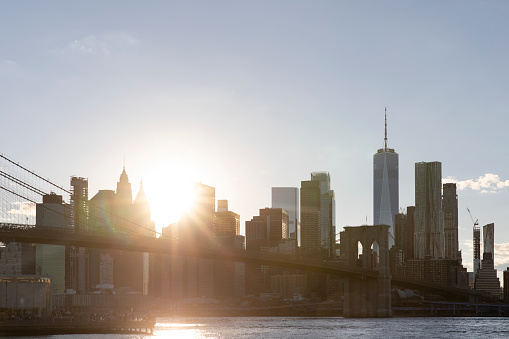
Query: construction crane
{"type": "Point", "coordinates": [477, 243]}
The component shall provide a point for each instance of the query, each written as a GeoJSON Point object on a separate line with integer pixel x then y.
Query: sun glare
{"type": "Point", "coordinates": [169, 192]}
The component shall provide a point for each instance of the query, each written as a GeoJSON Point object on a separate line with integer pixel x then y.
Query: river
{"type": "Point", "coordinates": [288, 327]}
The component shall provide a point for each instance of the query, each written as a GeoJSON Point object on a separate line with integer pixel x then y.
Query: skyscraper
{"type": "Point", "coordinates": [310, 217]}
{"type": "Point", "coordinates": [327, 213]}
{"type": "Point", "coordinates": [288, 198]}
{"type": "Point", "coordinates": [450, 209]}
{"type": "Point", "coordinates": [429, 218]}
{"type": "Point", "coordinates": [385, 186]}
{"type": "Point", "coordinates": [486, 279]}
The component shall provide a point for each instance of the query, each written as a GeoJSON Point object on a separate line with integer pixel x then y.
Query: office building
{"type": "Point", "coordinates": [267, 229]}
{"type": "Point", "coordinates": [450, 211]}
{"type": "Point", "coordinates": [288, 199]}
{"type": "Point", "coordinates": [429, 220]}
{"type": "Point", "coordinates": [385, 187]}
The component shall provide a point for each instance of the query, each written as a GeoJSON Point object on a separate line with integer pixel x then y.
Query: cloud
{"type": "Point", "coordinates": [12, 68]}
{"type": "Point", "coordinates": [488, 183]}
{"type": "Point", "coordinates": [102, 45]}
{"type": "Point", "coordinates": [501, 256]}
{"type": "Point", "coordinates": [23, 208]}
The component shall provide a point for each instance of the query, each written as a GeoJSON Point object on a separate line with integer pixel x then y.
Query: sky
{"type": "Point", "coordinates": [247, 95]}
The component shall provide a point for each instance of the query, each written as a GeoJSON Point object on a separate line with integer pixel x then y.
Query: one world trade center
{"type": "Point", "coordinates": [385, 186]}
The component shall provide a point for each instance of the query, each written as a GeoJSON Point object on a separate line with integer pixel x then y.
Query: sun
{"type": "Point", "coordinates": [168, 187]}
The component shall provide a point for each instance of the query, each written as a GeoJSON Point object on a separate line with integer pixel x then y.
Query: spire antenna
{"type": "Point", "coordinates": [385, 139]}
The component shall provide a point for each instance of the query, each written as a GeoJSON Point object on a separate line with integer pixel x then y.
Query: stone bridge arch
{"type": "Point", "coordinates": [367, 297]}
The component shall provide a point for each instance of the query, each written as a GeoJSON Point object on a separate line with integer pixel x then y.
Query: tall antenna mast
{"type": "Point", "coordinates": [385, 139]}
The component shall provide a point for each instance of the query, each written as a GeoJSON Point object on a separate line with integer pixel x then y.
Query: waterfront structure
{"type": "Point", "coordinates": [429, 220]}
{"type": "Point", "coordinates": [385, 186]}
{"type": "Point", "coordinates": [29, 295]}
{"type": "Point", "coordinates": [450, 212]}
{"type": "Point", "coordinates": [50, 259]}
{"type": "Point", "coordinates": [365, 297]}
{"type": "Point", "coordinates": [288, 198]}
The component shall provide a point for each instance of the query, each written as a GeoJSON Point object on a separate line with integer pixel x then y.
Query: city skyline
{"type": "Point", "coordinates": [179, 90]}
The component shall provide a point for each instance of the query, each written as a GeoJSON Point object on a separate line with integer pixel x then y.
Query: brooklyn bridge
{"type": "Point", "coordinates": [367, 286]}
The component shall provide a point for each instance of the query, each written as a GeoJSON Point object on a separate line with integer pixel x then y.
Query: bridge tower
{"type": "Point", "coordinates": [367, 297]}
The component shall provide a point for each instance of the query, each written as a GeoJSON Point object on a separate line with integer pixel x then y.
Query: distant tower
{"type": "Point", "coordinates": [477, 247]}
{"type": "Point", "coordinates": [327, 213]}
{"type": "Point", "coordinates": [385, 186]}
{"type": "Point", "coordinates": [450, 209]}
{"type": "Point", "coordinates": [429, 219]}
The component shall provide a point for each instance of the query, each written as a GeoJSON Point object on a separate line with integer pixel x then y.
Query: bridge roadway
{"type": "Point", "coordinates": [138, 243]}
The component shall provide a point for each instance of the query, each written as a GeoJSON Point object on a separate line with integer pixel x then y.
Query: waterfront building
{"type": "Point", "coordinates": [385, 187]}
{"type": "Point", "coordinates": [50, 259]}
{"type": "Point", "coordinates": [288, 199]}
{"type": "Point", "coordinates": [429, 220]}
{"type": "Point", "coordinates": [450, 211]}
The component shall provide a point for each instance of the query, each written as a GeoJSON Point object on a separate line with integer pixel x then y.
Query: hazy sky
{"type": "Point", "coordinates": [246, 95]}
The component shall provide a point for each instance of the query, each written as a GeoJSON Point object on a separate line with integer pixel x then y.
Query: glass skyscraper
{"type": "Point", "coordinates": [385, 187]}
{"type": "Point", "coordinates": [288, 198]}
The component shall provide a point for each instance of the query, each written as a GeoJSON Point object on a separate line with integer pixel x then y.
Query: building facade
{"type": "Point", "coordinates": [450, 210]}
{"type": "Point", "coordinates": [429, 219]}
